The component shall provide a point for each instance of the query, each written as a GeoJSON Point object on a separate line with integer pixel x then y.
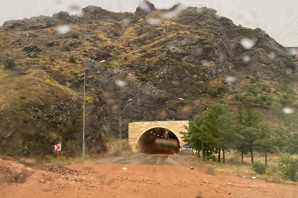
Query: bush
{"type": "Point", "coordinates": [74, 35]}
{"type": "Point", "coordinates": [288, 166]}
{"type": "Point", "coordinates": [9, 63]}
{"type": "Point", "coordinates": [259, 168]}
{"type": "Point", "coordinates": [211, 158]}
{"type": "Point", "coordinates": [72, 59]}
{"type": "Point", "coordinates": [212, 91]}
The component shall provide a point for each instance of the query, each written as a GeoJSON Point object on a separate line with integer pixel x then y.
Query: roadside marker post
{"type": "Point", "coordinates": [57, 148]}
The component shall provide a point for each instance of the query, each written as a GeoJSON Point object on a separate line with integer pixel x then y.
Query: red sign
{"type": "Point", "coordinates": [57, 147]}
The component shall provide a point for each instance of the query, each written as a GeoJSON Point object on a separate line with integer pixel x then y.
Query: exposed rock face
{"type": "Point", "coordinates": [93, 12]}
{"type": "Point", "coordinates": [30, 24]}
{"type": "Point", "coordinates": [134, 71]}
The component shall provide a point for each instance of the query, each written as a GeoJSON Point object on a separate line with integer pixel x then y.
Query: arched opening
{"type": "Point", "coordinates": [158, 140]}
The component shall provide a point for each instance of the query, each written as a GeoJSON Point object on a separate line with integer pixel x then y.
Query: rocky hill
{"type": "Point", "coordinates": [148, 65]}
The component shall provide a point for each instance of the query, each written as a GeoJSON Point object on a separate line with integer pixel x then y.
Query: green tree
{"type": "Point", "coordinates": [226, 132]}
{"type": "Point", "coordinates": [199, 138]}
{"type": "Point", "coordinates": [213, 131]}
{"type": "Point", "coordinates": [248, 127]}
{"type": "Point", "coordinates": [265, 141]}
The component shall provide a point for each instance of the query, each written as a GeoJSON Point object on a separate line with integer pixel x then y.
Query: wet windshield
{"type": "Point", "coordinates": [148, 98]}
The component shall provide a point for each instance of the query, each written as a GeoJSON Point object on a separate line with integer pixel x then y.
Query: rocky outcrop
{"type": "Point", "coordinates": [33, 23]}
{"type": "Point", "coordinates": [94, 12]}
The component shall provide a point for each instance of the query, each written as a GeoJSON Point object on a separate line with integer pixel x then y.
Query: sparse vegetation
{"type": "Point", "coordinates": [75, 35]}
{"type": "Point", "coordinates": [9, 63]}
{"type": "Point", "coordinates": [72, 59]}
{"type": "Point", "coordinates": [176, 59]}
{"type": "Point", "coordinates": [289, 167]}
{"type": "Point", "coordinates": [89, 99]}
{"type": "Point", "coordinates": [259, 168]}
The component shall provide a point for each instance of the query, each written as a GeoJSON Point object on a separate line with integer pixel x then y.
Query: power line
{"type": "Point", "coordinates": [290, 34]}
{"type": "Point", "coordinates": [289, 25]}
{"type": "Point", "coordinates": [293, 36]}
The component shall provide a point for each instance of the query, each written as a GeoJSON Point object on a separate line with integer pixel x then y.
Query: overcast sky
{"type": "Point", "coordinates": [279, 18]}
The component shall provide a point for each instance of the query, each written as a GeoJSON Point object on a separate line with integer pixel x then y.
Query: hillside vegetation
{"type": "Point", "coordinates": [148, 65]}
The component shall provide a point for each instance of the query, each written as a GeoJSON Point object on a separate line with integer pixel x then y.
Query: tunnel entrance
{"type": "Point", "coordinates": [158, 140]}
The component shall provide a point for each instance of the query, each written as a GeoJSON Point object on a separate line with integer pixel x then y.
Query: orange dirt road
{"type": "Point", "coordinates": [148, 177]}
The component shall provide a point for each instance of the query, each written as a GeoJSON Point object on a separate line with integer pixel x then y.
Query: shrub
{"type": "Point", "coordinates": [72, 59]}
{"type": "Point", "coordinates": [212, 91]}
{"type": "Point", "coordinates": [89, 99]}
{"type": "Point", "coordinates": [9, 63]}
{"type": "Point", "coordinates": [74, 35]}
{"type": "Point", "coordinates": [211, 158]}
{"type": "Point", "coordinates": [65, 48]}
{"type": "Point", "coordinates": [259, 168]}
{"type": "Point", "coordinates": [288, 166]}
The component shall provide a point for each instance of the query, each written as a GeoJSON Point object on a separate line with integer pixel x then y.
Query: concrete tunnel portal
{"type": "Point", "coordinates": [157, 136]}
{"type": "Point", "coordinates": [158, 140]}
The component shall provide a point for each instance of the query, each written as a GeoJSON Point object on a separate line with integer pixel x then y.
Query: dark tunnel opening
{"type": "Point", "coordinates": [158, 141]}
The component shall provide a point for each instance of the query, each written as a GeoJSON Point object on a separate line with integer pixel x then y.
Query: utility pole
{"type": "Point", "coordinates": [120, 123]}
{"type": "Point", "coordinates": [84, 115]}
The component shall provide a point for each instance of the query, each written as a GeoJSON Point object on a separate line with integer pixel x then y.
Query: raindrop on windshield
{"type": "Point", "coordinates": [247, 43]}
{"type": "Point", "coordinates": [120, 83]}
{"type": "Point", "coordinates": [153, 21]}
{"type": "Point", "coordinates": [63, 29]}
{"type": "Point", "coordinates": [125, 22]}
{"type": "Point", "coordinates": [272, 55]}
{"type": "Point", "coordinates": [175, 11]}
{"type": "Point", "coordinates": [76, 10]}
{"type": "Point", "coordinates": [293, 52]}
{"type": "Point", "coordinates": [289, 71]}
{"type": "Point", "coordinates": [246, 58]}
{"type": "Point", "coordinates": [288, 110]}
{"type": "Point", "coordinates": [145, 7]}
{"type": "Point", "coordinates": [230, 79]}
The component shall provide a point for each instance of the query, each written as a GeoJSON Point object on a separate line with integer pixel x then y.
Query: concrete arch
{"type": "Point", "coordinates": [137, 129]}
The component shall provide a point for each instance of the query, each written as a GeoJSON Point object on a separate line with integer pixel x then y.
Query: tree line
{"type": "Point", "coordinates": [217, 130]}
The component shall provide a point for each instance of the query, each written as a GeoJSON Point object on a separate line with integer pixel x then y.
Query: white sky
{"type": "Point", "coordinates": [279, 18]}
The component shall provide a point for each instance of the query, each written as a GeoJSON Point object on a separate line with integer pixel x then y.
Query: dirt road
{"type": "Point", "coordinates": [135, 176]}
{"type": "Point", "coordinates": [157, 159]}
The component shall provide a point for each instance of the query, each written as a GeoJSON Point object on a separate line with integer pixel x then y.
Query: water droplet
{"type": "Point", "coordinates": [247, 43]}
{"type": "Point", "coordinates": [145, 6]}
{"type": "Point", "coordinates": [289, 71]}
{"type": "Point", "coordinates": [63, 29]}
{"type": "Point", "coordinates": [230, 79]}
{"type": "Point", "coordinates": [199, 10]}
{"type": "Point", "coordinates": [74, 7]}
{"type": "Point", "coordinates": [76, 10]}
{"type": "Point", "coordinates": [293, 52]}
{"type": "Point", "coordinates": [153, 21]}
{"type": "Point", "coordinates": [272, 55]}
{"type": "Point", "coordinates": [120, 83]}
{"type": "Point", "coordinates": [288, 110]}
{"type": "Point", "coordinates": [174, 12]}
{"type": "Point", "coordinates": [125, 22]}
{"type": "Point", "coordinates": [246, 58]}
{"type": "Point", "coordinates": [221, 57]}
